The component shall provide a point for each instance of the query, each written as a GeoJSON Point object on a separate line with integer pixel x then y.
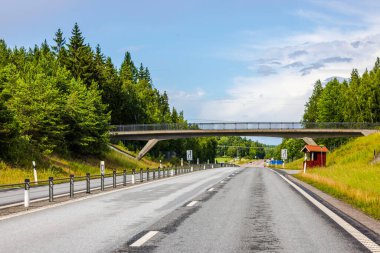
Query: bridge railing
{"type": "Point", "coordinates": [246, 126]}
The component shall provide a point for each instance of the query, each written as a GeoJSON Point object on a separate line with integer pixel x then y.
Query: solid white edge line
{"type": "Point", "coordinates": [368, 243]}
{"type": "Point", "coordinates": [192, 203]}
{"type": "Point", "coordinates": [144, 239]}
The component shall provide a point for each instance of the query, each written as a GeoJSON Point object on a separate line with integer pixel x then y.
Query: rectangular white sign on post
{"type": "Point", "coordinates": [189, 155]}
{"type": "Point", "coordinates": [284, 154]}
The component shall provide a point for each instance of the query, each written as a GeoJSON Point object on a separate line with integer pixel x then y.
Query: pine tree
{"type": "Point", "coordinates": [331, 103]}
{"type": "Point", "coordinates": [60, 42]}
{"type": "Point", "coordinates": [311, 107]}
{"type": "Point", "coordinates": [80, 57]}
{"type": "Point", "coordinates": [128, 71]}
{"type": "Point", "coordinates": [141, 73]}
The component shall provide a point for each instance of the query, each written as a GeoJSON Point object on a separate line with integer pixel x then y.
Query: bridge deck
{"type": "Point", "coordinates": [284, 133]}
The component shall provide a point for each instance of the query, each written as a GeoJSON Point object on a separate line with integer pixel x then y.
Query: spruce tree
{"type": "Point", "coordinates": [128, 71]}
{"type": "Point", "coordinates": [60, 42]}
{"type": "Point", "coordinates": [311, 107]}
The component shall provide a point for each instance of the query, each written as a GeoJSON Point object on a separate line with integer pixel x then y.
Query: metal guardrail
{"type": "Point", "coordinates": [246, 126]}
{"type": "Point", "coordinates": [106, 181]}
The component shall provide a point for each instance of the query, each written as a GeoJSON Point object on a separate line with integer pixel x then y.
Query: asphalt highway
{"type": "Point", "coordinates": [219, 210]}
{"type": "Point", "coordinates": [16, 195]}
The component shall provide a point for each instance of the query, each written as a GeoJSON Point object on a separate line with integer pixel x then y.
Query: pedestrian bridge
{"type": "Point", "coordinates": [156, 132]}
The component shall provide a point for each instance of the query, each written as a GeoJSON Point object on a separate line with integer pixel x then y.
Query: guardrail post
{"type": "Point", "coordinates": [141, 176]}
{"type": "Point", "coordinates": [26, 193]}
{"type": "Point", "coordinates": [102, 182]}
{"type": "Point", "coordinates": [147, 174]}
{"type": "Point", "coordinates": [124, 177]}
{"type": "Point", "coordinates": [159, 172]}
{"type": "Point", "coordinates": [88, 190]}
{"type": "Point", "coordinates": [133, 176]}
{"type": "Point", "coordinates": [114, 179]}
{"type": "Point", "coordinates": [71, 186]}
{"type": "Point", "coordinates": [51, 193]}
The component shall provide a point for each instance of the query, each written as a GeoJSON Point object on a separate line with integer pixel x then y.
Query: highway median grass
{"type": "Point", "coordinates": [350, 175]}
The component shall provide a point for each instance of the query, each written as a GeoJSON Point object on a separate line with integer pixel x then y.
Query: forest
{"type": "Point", "coordinates": [63, 98]}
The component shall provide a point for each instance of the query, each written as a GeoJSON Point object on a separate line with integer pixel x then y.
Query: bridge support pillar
{"type": "Point", "coordinates": [309, 141]}
{"type": "Point", "coordinates": [150, 144]}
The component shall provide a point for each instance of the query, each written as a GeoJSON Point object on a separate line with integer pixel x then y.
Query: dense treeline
{"type": "Point", "coordinates": [235, 146]}
{"type": "Point", "coordinates": [354, 100]}
{"type": "Point", "coordinates": [64, 97]}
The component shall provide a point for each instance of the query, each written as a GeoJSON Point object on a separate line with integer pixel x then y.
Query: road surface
{"type": "Point", "coordinates": [16, 195]}
{"type": "Point", "coordinates": [218, 210]}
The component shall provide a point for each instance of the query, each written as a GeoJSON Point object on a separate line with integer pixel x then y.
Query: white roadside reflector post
{"type": "Point", "coordinates": [35, 172]}
{"type": "Point", "coordinates": [304, 164]}
{"type": "Point", "coordinates": [283, 164]}
{"type": "Point", "coordinates": [204, 167]}
{"type": "Point", "coordinates": [171, 172]}
{"type": "Point", "coordinates": [133, 176]}
{"type": "Point", "coordinates": [212, 166]}
{"type": "Point", "coordinates": [181, 162]}
{"type": "Point", "coordinates": [102, 167]}
{"type": "Point", "coordinates": [191, 169]}
{"type": "Point", "coordinates": [26, 193]}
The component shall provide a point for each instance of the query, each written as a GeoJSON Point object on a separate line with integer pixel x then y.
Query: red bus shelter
{"type": "Point", "coordinates": [316, 155]}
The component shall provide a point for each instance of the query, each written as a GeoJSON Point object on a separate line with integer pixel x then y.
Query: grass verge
{"type": "Point", "coordinates": [350, 175]}
{"type": "Point", "coordinates": [59, 167]}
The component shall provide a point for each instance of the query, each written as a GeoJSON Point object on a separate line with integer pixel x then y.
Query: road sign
{"type": "Point", "coordinates": [189, 155]}
{"type": "Point", "coordinates": [284, 154]}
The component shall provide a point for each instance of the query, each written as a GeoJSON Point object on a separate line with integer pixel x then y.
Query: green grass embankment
{"type": "Point", "coordinates": [59, 167]}
{"type": "Point", "coordinates": [350, 175]}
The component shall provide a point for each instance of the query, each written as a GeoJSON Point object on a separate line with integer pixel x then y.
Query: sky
{"type": "Point", "coordinates": [238, 60]}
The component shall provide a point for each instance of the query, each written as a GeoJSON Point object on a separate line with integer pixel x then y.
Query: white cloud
{"type": "Point", "coordinates": [285, 69]}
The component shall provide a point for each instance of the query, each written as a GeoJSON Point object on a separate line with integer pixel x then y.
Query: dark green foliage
{"type": "Point", "coordinates": [311, 107]}
{"type": "Point", "coordinates": [237, 146]}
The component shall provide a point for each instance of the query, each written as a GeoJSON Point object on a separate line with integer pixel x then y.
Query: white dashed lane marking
{"type": "Point", "coordinates": [192, 203]}
{"type": "Point", "coordinates": [144, 239]}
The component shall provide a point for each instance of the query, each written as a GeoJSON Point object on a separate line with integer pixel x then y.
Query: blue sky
{"type": "Point", "coordinates": [218, 60]}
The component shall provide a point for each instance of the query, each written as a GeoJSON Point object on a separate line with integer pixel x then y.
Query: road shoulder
{"type": "Point", "coordinates": [368, 225]}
